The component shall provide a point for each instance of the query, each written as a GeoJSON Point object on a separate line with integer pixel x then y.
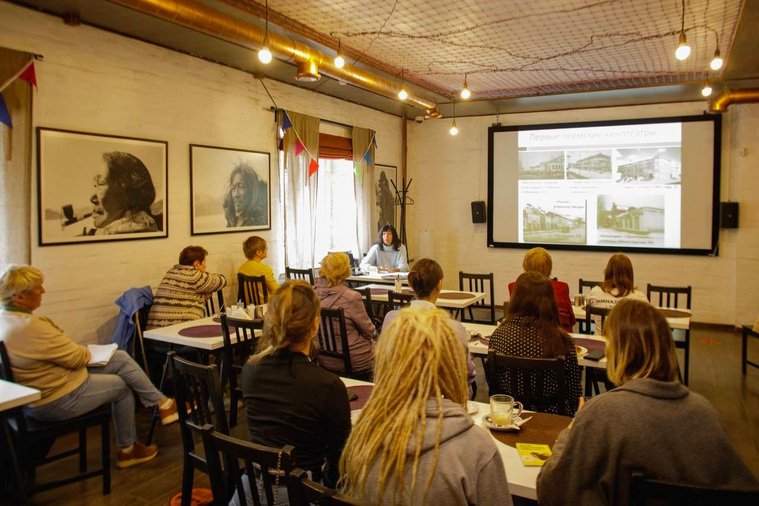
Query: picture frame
{"type": "Point", "coordinates": [230, 190]}
{"type": "Point", "coordinates": [384, 211]}
{"type": "Point", "coordinates": [95, 187]}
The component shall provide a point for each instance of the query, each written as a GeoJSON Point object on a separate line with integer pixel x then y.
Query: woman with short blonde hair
{"type": "Point", "coordinates": [651, 423]}
{"type": "Point", "coordinates": [414, 442]}
{"type": "Point", "coordinates": [335, 268]}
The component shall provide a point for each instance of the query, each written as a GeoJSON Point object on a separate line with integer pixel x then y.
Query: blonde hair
{"type": "Point", "coordinates": [289, 318]}
{"type": "Point", "coordinates": [418, 358]}
{"type": "Point", "coordinates": [639, 343]}
{"type": "Point", "coordinates": [335, 268]}
{"type": "Point", "coordinates": [253, 245]}
{"type": "Point", "coordinates": [19, 279]}
{"type": "Point", "coordinates": [538, 260]}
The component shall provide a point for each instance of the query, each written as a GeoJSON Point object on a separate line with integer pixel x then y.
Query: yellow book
{"type": "Point", "coordinates": [533, 455]}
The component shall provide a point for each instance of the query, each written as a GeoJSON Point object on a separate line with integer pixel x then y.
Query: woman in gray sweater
{"type": "Point", "coordinates": [651, 423]}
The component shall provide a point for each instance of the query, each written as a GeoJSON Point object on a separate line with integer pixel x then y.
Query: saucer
{"type": "Point", "coordinates": [581, 351]}
{"type": "Point", "coordinates": [487, 422]}
{"type": "Point", "coordinates": [472, 407]}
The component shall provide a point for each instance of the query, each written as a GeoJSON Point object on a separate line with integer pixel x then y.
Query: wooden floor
{"type": "Point", "coordinates": [715, 373]}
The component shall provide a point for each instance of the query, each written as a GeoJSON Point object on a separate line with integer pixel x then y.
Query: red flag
{"type": "Point", "coordinates": [313, 167]}
{"type": "Point", "coordinates": [29, 75]}
{"type": "Point", "coordinates": [299, 147]}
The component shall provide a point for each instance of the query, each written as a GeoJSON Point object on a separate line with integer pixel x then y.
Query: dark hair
{"type": "Point", "coordinates": [396, 241]}
{"type": "Point", "coordinates": [533, 301]}
{"type": "Point", "coordinates": [192, 254]}
{"type": "Point", "coordinates": [619, 274]}
{"type": "Point", "coordinates": [253, 245]}
{"type": "Point", "coordinates": [129, 175]}
{"type": "Point", "coordinates": [251, 182]}
{"type": "Point", "coordinates": [424, 277]}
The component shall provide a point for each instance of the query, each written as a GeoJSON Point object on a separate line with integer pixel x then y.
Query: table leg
{"type": "Point", "coordinates": [14, 461]}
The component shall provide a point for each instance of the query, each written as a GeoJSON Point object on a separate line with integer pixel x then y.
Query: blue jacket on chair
{"type": "Point", "coordinates": [130, 302]}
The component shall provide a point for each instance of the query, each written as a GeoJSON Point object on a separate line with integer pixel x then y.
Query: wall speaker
{"type": "Point", "coordinates": [478, 211]}
{"type": "Point", "coordinates": [728, 215]}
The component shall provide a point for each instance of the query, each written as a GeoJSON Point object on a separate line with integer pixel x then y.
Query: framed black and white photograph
{"type": "Point", "coordinates": [230, 190]}
{"type": "Point", "coordinates": [384, 194]}
{"type": "Point", "coordinates": [95, 187]}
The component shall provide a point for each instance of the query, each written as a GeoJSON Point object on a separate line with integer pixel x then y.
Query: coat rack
{"type": "Point", "coordinates": [402, 199]}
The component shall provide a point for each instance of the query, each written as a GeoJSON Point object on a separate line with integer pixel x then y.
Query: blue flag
{"type": "Point", "coordinates": [5, 116]}
{"type": "Point", "coordinates": [286, 123]}
{"type": "Point", "coordinates": [368, 157]}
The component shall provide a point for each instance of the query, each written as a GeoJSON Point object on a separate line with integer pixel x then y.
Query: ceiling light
{"type": "Point", "coordinates": [717, 61]}
{"type": "Point", "coordinates": [264, 55]}
{"type": "Point", "coordinates": [707, 89]}
{"type": "Point", "coordinates": [683, 50]}
{"type": "Point", "coordinates": [465, 93]}
{"type": "Point", "coordinates": [403, 94]}
{"type": "Point", "coordinates": [339, 60]}
{"type": "Point", "coordinates": [453, 129]}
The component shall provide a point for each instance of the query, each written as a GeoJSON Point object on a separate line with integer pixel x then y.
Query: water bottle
{"type": "Point", "coordinates": [398, 286]}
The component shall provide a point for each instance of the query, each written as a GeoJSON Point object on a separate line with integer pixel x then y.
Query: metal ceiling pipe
{"type": "Point", "coordinates": [202, 18]}
{"type": "Point", "coordinates": [728, 97]}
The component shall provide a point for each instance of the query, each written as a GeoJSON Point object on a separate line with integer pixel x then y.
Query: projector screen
{"type": "Point", "coordinates": [647, 185]}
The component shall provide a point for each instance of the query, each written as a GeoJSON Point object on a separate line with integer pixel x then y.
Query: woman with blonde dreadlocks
{"type": "Point", "coordinates": [414, 442]}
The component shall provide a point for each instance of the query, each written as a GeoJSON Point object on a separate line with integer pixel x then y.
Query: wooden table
{"type": "Point", "coordinates": [376, 278]}
{"type": "Point", "coordinates": [522, 480]}
{"type": "Point", "coordinates": [13, 395]}
{"type": "Point", "coordinates": [442, 301]}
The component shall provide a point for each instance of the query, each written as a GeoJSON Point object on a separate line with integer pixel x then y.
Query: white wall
{"type": "Point", "coordinates": [95, 81]}
{"type": "Point", "coordinates": [450, 172]}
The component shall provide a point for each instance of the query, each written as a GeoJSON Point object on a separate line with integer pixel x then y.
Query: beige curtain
{"type": "Point", "coordinates": [363, 185]}
{"type": "Point", "coordinates": [15, 161]}
{"type": "Point", "coordinates": [299, 190]}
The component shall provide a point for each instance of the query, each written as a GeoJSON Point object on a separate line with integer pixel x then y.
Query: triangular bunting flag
{"type": "Point", "coordinates": [313, 167]}
{"type": "Point", "coordinates": [29, 75]}
{"type": "Point", "coordinates": [299, 147]}
{"type": "Point", "coordinates": [368, 157]}
{"type": "Point", "coordinates": [5, 116]}
{"type": "Point", "coordinates": [286, 123]}
{"type": "Point", "coordinates": [358, 171]}
{"type": "Point", "coordinates": [374, 140]}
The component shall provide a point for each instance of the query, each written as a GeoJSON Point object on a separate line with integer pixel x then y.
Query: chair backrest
{"type": "Point", "coordinates": [480, 283]}
{"type": "Point", "coordinates": [274, 465]}
{"type": "Point", "coordinates": [527, 380]}
{"type": "Point", "coordinates": [396, 300]}
{"type": "Point", "coordinates": [366, 296]}
{"type": "Point", "coordinates": [252, 289]}
{"type": "Point", "coordinates": [140, 319]}
{"type": "Point", "coordinates": [590, 312]}
{"type": "Point", "coordinates": [333, 337]}
{"type": "Point", "coordinates": [304, 274]}
{"type": "Point", "coordinates": [217, 306]}
{"type": "Point", "coordinates": [668, 295]}
{"type": "Point", "coordinates": [644, 491]}
{"type": "Point", "coordinates": [240, 342]}
{"type": "Point", "coordinates": [587, 284]}
{"type": "Point", "coordinates": [197, 385]}
{"type": "Point", "coordinates": [6, 373]}
{"type": "Point", "coordinates": [305, 492]}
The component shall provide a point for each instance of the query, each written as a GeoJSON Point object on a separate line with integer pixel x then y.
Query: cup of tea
{"type": "Point", "coordinates": [502, 409]}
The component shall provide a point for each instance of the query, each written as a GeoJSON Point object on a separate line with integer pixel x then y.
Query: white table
{"type": "Point", "coordinates": [441, 301]}
{"type": "Point", "coordinates": [522, 480]}
{"type": "Point", "coordinates": [682, 323]}
{"type": "Point", "coordinates": [171, 335]}
{"type": "Point", "coordinates": [376, 277]}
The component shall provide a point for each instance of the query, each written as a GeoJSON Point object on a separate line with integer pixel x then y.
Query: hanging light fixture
{"type": "Point", "coordinates": [465, 93]}
{"type": "Point", "coordinates": [403, 94]}
{"type": "Point", "coordinates": [707, 89]}
{"type": "Point", "coordinates": [683, 50]}
{"type": "Point", "coordinates": [264, 55]}
{"type": "Point", "coordinates": [453, 129]}
{"type": "Point", "coordinates": [717, 61]}
{"type": "Point", "coordinates": [339, 60]}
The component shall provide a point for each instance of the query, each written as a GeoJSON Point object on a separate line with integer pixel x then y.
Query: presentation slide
{"type": "Point", "coordinates": [610, 185]}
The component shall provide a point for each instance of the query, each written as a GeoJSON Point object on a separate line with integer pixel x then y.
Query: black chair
{"type": "Point", "coordinates": [274, 465]}
{"type": "Point", "coordinates": [587, 284]}
{"type": "Point", "coordinates": [331, 332]}
{"type": "Point", "coordinates": [646, 491]}
{"type": "Point", "coordinates": [594, 311]}
{"type": "Point", "coordinates": [304, 274]}
{"type": "Point", "coordinates": [138, 342]}
{"type": "Point", "coordinates": [478, 283]}
{"type": "Point", "coordinates": [533, 373]}
{"type": "Point", "coordinates": [30, 434]}
{"type": "Point", "coordinates": [252, 289]}
{"type": "Point", "coordinates": [669, 297]}
{"type": "Point", "coordinates": [212, 307]}
{"type": "Point", "coordinates": [196, 385]}
{"type": "Point", "coordinates": [305, 492]}
{"type": "Point", "coordinates": [366, 295]}
{"type": "Point", "coordinates": [235, 355]}
{"type": "Point", "coordinates": [396, 300]}
{"type": "Point", "coordinates": [594, 316]}
{"type": "Point", "coordinates": [747, 331]}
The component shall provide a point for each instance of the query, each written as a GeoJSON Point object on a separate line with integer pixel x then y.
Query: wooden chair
{"type": "Point", "coordinates": [747, 332]}
{"type": "Point", "coordinates": [587, 284]}
{"type": "Point", "coordinates": [397, 300]}
{"type": "Point", "coordinates": [235, 355]}
{"type": "Point", "coordinates": [533, 372]}
{"type": "Point", "coordinates": [252, 289]}
{"type": "Point", "coordinates": [478, 283]}
{"type": "Point", "coordinates": [304, 274]}
{"type": "Point", "coordinates": [647, 491]}
{"type": "Point", "coordinates": [273, 465]}
{"type": "Point", "coordinates": [592, 375]}
{"type": "Point", "coordinates": [305, 492]}
{"type": "Point", "coordinates": [594, 311]}
{"type": "Point", "coordinates": [138, 342]}
{"type": "Point", "coordinates": [331, 332]}
{"type": "Point", "coordinates": [366, 295]}
{"type": "Point", "coordinates": [196, 385]}
{"type": "Point", "coordinates": [30, 434]}
{"type": "Point", "coordinates": [669, 297]}
{"type": "Point", "coordinates": [212, 307]}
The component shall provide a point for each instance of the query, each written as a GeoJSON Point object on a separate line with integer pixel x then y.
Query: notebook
{"type": "Point", "coordinates": [100, 354]}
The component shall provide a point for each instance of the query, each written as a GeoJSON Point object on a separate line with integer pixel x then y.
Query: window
{"type": "Point", "coordinates": [335, 209]}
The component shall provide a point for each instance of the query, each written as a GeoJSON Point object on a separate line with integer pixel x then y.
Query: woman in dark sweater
{"type": "Point", "coordinates": [290, 400]}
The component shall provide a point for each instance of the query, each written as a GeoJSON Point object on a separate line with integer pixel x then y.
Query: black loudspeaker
{"type": "Point", "coordinates": [728, 215]}
{"type": "Point", "coordinates": [478, 212]}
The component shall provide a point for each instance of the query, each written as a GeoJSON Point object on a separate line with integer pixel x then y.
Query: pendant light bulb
{"type": "Point", "coordinates": [707, 89]}
{"type": "Point", "coordinates": [683, 50]}
{"type": "Point", "coordinates": [339, 60]}
{"type": "Point", "coordinates": [717, 61]}
{"type": "Point", "coordinates": [465, 93]}
{"type": "Point", "coordinates": [264, 55]}
{"type": "Point", "coordinates": [453, 129]}
{"type": "Point", "coordinates": [403, 94]}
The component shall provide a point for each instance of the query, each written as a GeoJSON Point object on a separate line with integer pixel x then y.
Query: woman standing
{"type": "Point", "coordinates": [414, 442]}
{"type": "Point", "coordinates": [388, 255]}
{"type": "Point", "coordinates": [618, 284]}
{"type": "Point", "coordinates": [651, 423]}
{"type": "Point", "coordinates": [531, 329]}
